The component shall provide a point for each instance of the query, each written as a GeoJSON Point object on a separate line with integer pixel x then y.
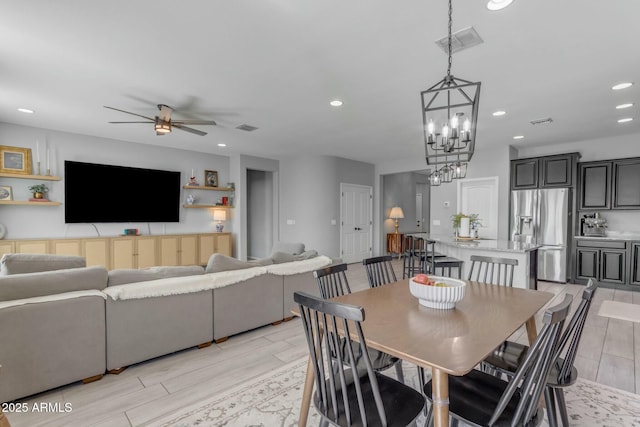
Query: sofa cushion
{"type": "Point", "coordinates": [28, 285]}
{"type": "Point", "coordinates": [123, 276]}
{"type": "Point", "coordinates": [282, 257]}
{"type": "Point", "coordinates": [288, 247]}
{"type": "Point", "coordinates": [220, 262]}
{"type": "Point", "coordinates": [33, 263]}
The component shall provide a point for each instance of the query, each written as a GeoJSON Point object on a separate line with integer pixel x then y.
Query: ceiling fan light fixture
{"type": "Point", "coordinates": [161, 126]}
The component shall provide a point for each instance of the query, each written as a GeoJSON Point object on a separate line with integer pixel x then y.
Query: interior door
{"type": "Point", "coordinates": [480, 196]}
{"type": "Point", "coordinates": [356, 222]}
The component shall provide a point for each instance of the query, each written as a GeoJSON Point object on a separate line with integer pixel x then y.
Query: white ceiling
{"type": "Point", "coordinates": [276, 64]}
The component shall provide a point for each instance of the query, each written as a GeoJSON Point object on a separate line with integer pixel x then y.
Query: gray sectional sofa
{"type": "Point", "coordinates": [59, 325]}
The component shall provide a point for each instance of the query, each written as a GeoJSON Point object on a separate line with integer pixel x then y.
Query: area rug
{"type": "Point", "coordinates": [274, 400]}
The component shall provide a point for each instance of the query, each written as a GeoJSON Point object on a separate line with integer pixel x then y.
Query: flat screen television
{"type": "Point", "coordinates": [108, 193]}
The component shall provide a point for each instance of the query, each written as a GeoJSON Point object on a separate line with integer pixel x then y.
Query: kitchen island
{"type": "Point", "coordinates": [525, 273]}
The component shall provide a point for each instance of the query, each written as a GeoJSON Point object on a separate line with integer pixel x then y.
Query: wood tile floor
{"type": "Point", "coordinates": [609, 354]}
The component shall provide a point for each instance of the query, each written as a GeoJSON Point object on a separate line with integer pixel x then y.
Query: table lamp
{"type": "Point", "coordinates": [396, 213]}
{"type": "Point", "coordinates": [219, 216]}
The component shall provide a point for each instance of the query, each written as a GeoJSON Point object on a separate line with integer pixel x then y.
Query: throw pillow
{"type": "Point", "coordinates": [290, 248]}
{"type": "Point", "coordinates": [219, 262]}
{"type": "Point", "coordinates": [280, 257]}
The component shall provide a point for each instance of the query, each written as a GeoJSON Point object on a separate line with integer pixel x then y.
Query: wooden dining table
{"type": "Point", "coordinates": [450, 342]}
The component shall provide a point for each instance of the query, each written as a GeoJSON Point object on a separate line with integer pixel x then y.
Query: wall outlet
{"type": "Point", "coordinates": [334, 222]}
{"type": "Point", "coordinates": [291, 222]}
{"type": "Point", "coordinates": [436, 222]}
{"type": "Point", "coordinates": [446, 204]}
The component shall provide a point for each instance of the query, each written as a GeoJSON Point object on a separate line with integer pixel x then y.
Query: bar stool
{"type": "Point", "coordinates": [434, 263]}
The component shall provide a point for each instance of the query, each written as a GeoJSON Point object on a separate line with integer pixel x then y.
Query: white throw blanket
{"type": "Point", "coordinates": [204, 282]}
{"type": "Point", "coordinates": [182, 285]}
{"type": "Point", "coordinates": [54, 297]}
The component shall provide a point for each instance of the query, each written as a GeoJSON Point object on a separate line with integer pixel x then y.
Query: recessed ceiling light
{"type": "Point", "coordinates": [625, 120]}
{"type": "Point", "coordinates": [623, 106]}
{"type": "Point", "coordinates": [499, 113]}
{"type": "Point", "coordinates": [336, 103]}
{"type": "Point", "coordinates": [222, 144]}
{"type": "Point", "coordinates": [25, 110]}
{"type": "Point", "coordinates": [621, 86]}
{"type": "Point", "coordinates": [498, 4]}
{"type": "Point", "coordinates": [518, 137]}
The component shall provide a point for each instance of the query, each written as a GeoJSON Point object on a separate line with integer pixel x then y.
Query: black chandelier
{"type": "Point", "coordinates": [449, 115]}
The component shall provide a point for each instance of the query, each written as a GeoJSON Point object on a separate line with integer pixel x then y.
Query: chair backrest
{"type": "Point", "coordinates": [328, 325]}
{"type": "Point", "coordinates": [573, 333]}
{"type": "Point", "coordinates": [532, 373]}
{"type": "Point", "coordinates": [497, 271]}
{"type": "Point", "coordinates": [332, 281]}
{"type": "Point", "coordinates": [379, 270]}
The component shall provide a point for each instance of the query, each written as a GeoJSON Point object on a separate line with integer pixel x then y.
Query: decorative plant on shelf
{"type": "Point", "coordinates": [456, 220]}
{"type": "Point", "coordinates": [38, 190]}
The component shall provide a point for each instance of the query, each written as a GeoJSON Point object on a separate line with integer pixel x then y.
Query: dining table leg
{"type": "Point", "coordinates": [440, 397]}
{"type": "Point", "coordinates": [306, 395]}
{"type": "Point", "coordinates": [532, 330]}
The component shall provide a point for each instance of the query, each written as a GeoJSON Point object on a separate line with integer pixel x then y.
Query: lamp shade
{"type": "Point", "coordinates": [396, 213]}
{"type": "Point", "coordinates": [219, 215]}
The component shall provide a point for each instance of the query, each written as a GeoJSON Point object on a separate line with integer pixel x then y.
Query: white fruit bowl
{"type": "Point", "coordinates": [438, 296]}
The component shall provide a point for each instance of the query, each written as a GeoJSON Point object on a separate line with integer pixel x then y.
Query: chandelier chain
{"type": "Point", "coordinates": [449, 40]}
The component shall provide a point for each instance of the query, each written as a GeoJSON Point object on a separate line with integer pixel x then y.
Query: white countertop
{"type": "Point", "coordinates": [624, 237]}
{"type": "Point", "coordinates": [480, 244]}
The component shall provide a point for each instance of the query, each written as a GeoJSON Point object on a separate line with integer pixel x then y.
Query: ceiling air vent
{"type": "Point", "coordinates": [246, 127]}
{"type": "Point", "coordinates": [541, 121]}
{"type": "Point", "coordinates": [460, 40]}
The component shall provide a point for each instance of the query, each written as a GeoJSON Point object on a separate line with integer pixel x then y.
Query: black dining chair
{"type": "Point", "coordinates": [379, 270]}
{"type": "Point", "coordinates": [482, 399]}
{"type": "Point", "coordinates": [357, 395]}
{"type": "Point", "coordinates": [497, 271]}
{"type": "Point", "coordinates": [506, 358]}
{"type": "Point", "coordinates": [333, 282]}
{"type": "Point", "coordinates": [416, 254]}
{"type": "Point", "coordinates": [440, 265]}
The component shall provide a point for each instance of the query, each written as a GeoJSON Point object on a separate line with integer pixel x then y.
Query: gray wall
{"type": "Point", "coordinates": [48, 222]}
{"type": "Point", "coordinates": [310, 197]}
{"type": "Point", "coordinates": [399, 189]}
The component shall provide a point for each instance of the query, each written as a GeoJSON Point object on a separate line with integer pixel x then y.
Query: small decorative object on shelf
{"type": "Point", "coordinates": [191, 199]}
{"type": "Point", "coordinates": [193, 182]}
{"type": "Point", "coordinates": [38, 191]}
{"type": "Point", "coordinates": [210, 178]}
{"type": "Point", "coordinates": [15, 160]}
{"type": "Point", "coordinates": [463, 224]}
{"type": "Point", "coordinates": [6, 193]}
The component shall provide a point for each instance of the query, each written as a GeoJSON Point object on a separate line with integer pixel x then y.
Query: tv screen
{"type": "Point", "coordinates": [107, 193]}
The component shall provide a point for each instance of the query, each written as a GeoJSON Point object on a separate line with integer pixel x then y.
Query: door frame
{"type": "Point", "coordinates": [490, 180]}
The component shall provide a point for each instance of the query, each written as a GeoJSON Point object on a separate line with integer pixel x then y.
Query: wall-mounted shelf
{"type": "Point", "coordinates": [27, 202]}
{"type": "Point", "coordinates": [207, 206]}
{"type": "Point", "coordinates": [201, 187]}
{"type": "Point", "coordinates": [41, 177]}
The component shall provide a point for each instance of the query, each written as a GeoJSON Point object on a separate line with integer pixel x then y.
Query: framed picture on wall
{"type": "Point", "coordinates": [15, 160]}
{"type": "Point", "coordinates": [210, 178]}
{"type": "Point", "coordinates": [5, 193]}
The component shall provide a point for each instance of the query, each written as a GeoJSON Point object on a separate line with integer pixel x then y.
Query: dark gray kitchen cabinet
{"type": "Point", "coordinates": [524, 174]}
{"type": "Point", "coordinates": [634, 261]}
{"type": "Point", "coordinates": [544, 172]}
{"type": "Point", "coordinates": [595, 185]}
{"type": "Point", "coordinates": [626, 184]}
{"type": "Point", "coordinates": [603, 260]}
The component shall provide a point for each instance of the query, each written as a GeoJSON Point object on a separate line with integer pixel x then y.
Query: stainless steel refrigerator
{"type": "Point", "coordinates": [542, 217]}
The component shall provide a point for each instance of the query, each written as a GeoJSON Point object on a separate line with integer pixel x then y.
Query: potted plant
{"type": "Point", "coordinates": [462, 223]}
{"type": "Point", "coordinates": [38, 190]}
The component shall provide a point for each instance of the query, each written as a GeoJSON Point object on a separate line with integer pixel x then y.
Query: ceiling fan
{"type": "Point", "coordinates": [163, 123]}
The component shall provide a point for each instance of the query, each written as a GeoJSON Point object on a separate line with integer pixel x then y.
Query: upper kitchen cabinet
{"type": "Point", "coordinates": [626, 184]}
{"type": "Point", "coordinates": [595, 185]}
{"type": "Point", "coordinates": [610, 184]}
{"type": "Point", "coordinates": [544, 172]}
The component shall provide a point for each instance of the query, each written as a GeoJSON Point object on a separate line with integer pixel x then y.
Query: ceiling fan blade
{"type": "Point", "coordinates": [129, 112]}
{"type": "Point", "coordinates": [194, 122]}
{"type": "Point", "coordinates": [181, 127]}
{"type": "Point", "coordinates": [128, 122]}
